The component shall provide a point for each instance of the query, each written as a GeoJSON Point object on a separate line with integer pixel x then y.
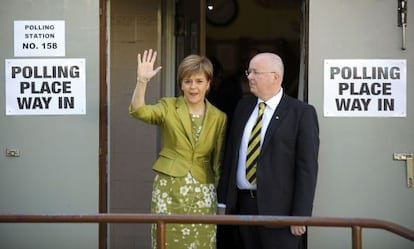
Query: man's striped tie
{"type": "Point", "coordinates": [253, 148]}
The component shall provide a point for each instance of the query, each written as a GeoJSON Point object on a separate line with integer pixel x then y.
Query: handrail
{"type": "Point", "coordinates": [355, 223]}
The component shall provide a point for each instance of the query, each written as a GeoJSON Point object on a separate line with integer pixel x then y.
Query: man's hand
{"type": "Point", "coordinates": [297, 230]}
{"type": "Point", "coordinates": [221, 210]}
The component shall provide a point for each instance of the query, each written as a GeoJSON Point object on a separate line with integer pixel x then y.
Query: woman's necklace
{"type": "Point", "coordinates": [197, 112]}
{"type": "Point", "coordinates": [197, 124]}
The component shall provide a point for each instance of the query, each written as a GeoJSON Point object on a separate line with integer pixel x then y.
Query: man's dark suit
{"type": "Point", "coordinates": [288, 162]}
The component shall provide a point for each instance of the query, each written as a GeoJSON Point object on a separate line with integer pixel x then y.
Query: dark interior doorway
{"type": "Point", "coordinates": [237, 30]}
{"type": "Point", "coordinates": [244, 28]}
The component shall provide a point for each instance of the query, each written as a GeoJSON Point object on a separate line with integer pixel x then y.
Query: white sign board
{"type": "Point", "coordinates": [365, 88]}
{"type": "Point", "coordinates": [45, 86]}
{"type": "Point", "coordinates": [39, 38]}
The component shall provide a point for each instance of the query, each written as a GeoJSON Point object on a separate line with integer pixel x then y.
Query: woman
{"type": "Point", "coordinates": [188, 165]}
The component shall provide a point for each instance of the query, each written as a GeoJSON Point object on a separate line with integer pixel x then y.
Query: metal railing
{"type": "Point", "coordinates": [356, 224]}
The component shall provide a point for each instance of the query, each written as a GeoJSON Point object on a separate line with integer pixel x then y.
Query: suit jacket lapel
{"type": "Point", "coordinates": [184, 117]}
{"type": "Point", "coordinates": [278, 116]}
{"type": "Point", "coordinates": [208, 122]}
{"type": "Point", "coordinates": [240, 122]}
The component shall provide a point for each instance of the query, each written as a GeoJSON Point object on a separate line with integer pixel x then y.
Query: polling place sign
{"type": "Point", "coordinates": [365, 88]}
{"type": "Point", "coordinates": [45, 86]}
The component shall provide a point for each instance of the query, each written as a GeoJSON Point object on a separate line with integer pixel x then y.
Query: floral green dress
{"type": "Point", "coordinates": [185, 195]}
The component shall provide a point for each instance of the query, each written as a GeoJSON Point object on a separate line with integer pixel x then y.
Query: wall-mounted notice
{"type": "Point", "coordinates": [39, 38]}
{"type": "Point", "coordinates": [365, 88]}
{"type": "Point", "coordinates": [45, 86]}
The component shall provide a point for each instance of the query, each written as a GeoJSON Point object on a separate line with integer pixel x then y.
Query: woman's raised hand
{"type": "Point", "coordinates": [145, 69]}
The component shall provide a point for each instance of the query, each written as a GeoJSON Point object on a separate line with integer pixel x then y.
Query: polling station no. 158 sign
{"type": "Point", "coordinates": [365, 88]}
{"type": "Point", "coordinates": [45, 86]}
{"type": "Point", "coordinates": [39, 38]}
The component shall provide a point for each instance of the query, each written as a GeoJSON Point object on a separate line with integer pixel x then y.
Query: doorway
{"type": "Point", "coordinates": [232, 32]}
{"type": "Point", "coordinates": [256, 26]}
{"type": "Point", "coordinates": [237, 30]}
{"type": "Point", "coordinates": [135, 25]}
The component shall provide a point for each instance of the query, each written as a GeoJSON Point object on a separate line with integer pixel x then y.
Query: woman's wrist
{"type": "Point", "coordinates": [142, 80]}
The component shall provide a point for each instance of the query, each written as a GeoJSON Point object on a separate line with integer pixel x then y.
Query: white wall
{"type": "Point", "coordinates": [358, 176]}
{"type": "Point", "coordinates": [57, 171]}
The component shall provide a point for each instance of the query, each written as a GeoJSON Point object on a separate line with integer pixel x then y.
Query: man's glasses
{"type": "Point", "coordinates": [247, 72]}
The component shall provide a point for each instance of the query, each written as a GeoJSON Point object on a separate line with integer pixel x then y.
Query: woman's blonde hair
{"type": "Point", "coordinates": [193, 64]}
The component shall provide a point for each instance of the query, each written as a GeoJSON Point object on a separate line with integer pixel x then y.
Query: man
{"type": "Point", "coordinates": [281, 179]}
